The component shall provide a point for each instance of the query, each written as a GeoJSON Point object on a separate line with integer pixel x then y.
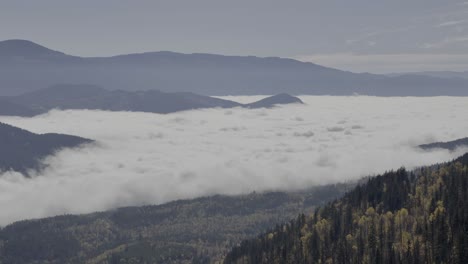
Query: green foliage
{"type": "Point", "coordinates": [398, 217]}
{"type": "Point", "coordinates": [192, 231]}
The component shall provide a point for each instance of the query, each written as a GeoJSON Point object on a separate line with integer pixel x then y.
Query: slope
{"type": "Point", "coordinates": [187, 231]}
{"type": "Point", "coordinates": [21, 150]}
{"type": "Point", "coordinates": [398, 217]}
{"type": "Point", "coordinates": [8, 108]}
{"type": "Point", "coordinates": [449, 145]}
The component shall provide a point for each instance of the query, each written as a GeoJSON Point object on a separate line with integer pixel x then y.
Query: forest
{"type": "Point", "coordinates": [200, 230]}
{"type": "Point", "coordinates": [401, 216]}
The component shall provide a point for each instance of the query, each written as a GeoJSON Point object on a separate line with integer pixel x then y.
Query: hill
{"type": "Point", "coordinates": [21, 150]}
{"type": "Point", "coordinates": [398, 217]}
{"type": "Point", "coordinates": [188, 231]}
{"type": "Point", "coordinates": [449, 145]}
{"type": "Point", "coordinates": [25, 66]}
{"type": "Point", "coordinates": [94, 97]}
{"type": "Point", "coordinates": [8, 108]}
{"type": "Point", "coordinates": [274, 100]}
{"type": "Point", "coordinates": [23, 49]}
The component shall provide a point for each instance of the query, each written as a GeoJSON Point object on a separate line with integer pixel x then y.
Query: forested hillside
{"type": "Point", "coordinates": [21, 150]}
{"type": "Point", "coordinates": [192, 231]}
{"type": "Point", "coordinates": [401, 216]}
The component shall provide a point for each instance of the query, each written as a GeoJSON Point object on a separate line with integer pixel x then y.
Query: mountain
{"type": "Point", "coordinates": [8, 108]}
{"type": "Point", "coordinates": [25, 66]}
{"type": "Point", "coordinates": [188, 231]}
{"type": "Point", "coordinates": [94, 97]}
{"type": "Point", "coordinates": [275, 100]}
{"type": "Point", "coordinates": [438, 74]}
{"type": "Point", "coordinates": [450, 145]}
{"type": "Point", "coordinates": [401, 216]}
{"type": "Point", "coordinates": [23, 49]}
{"type": "Point", "coordinates": [21, 150]}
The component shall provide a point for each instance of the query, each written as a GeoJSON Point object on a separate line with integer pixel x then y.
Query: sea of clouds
{"type": "Point", "coordinates": [145, 158]}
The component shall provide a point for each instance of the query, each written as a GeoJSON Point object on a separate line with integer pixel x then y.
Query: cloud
{"type": "Point", "coordinates": [450, 23]}
{"type": "Point", "coordinates": [304, 134]}
{"type": "Point", "coordinates": [335, 129]}
{"type": "Point", "coordinates": [446, 41]}
{"type": "Point", "coordinates": [145, 158]}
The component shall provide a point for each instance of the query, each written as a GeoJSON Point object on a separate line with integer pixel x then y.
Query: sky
{"type": "Point", "coordinates": [146, 158]}
{"type": "Point", "coordinates": [360, 35]}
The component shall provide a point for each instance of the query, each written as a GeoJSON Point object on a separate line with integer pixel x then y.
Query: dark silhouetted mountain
{"type": "Point", "coordinates": [399, 217]}
{"type": "Point", "coordinates": [93, 97]}
{"type": "Point", "coordinates": [188, 231]}
{"type": "Point", "coordinates": [21, 150]}
{"type": "Point", "coordinates": [275, 100]}
{"type": "Point", "coordinates": [24, 50]}
{"type": "Point", "coordinates": [450, 145]}
{"type": "Point", "coordinates": [25, 66]}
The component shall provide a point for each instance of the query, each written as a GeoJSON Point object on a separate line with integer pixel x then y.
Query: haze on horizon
{"type": "Point", "coordinates": [361, 35]}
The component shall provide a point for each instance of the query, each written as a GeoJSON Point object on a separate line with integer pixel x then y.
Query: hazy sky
{"type": "Point", "coordinates": [358, 35]}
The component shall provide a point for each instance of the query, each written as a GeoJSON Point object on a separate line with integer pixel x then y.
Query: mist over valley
{"type": "Point", "coordinates": [145, 158]}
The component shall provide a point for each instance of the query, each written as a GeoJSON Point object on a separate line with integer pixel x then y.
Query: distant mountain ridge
{"type": "Point", "coordinates": [21, 150]}
{"type": "Point", "coordinates": [24, 66]}
{"type": "Point", "coordinates": [94, 97]}
{"type": "Point", "coordinates": [25, 49]}
{"type": "Point", "coordinates": [449, 145]}
{"type": "Point", "coordinates": [438, 74]}
{"type": "Point", "coordinates": [8, 108]}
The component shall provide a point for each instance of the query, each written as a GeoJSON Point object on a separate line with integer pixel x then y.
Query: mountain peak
{"type": "Point", "coordinates": [24, 48]}
{"type": "Point", "coordinates": [282, 98]}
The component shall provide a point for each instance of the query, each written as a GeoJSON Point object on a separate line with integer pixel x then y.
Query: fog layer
{"type": "Point", "coordinates": [144, 158]}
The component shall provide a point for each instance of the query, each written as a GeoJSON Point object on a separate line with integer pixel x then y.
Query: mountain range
{"type": "Point", "coordinates": [94, 97]}
{"type": "Point", "coordinates": [26, 66]}
{"type": "Point", "coordinates": [22, 150]}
